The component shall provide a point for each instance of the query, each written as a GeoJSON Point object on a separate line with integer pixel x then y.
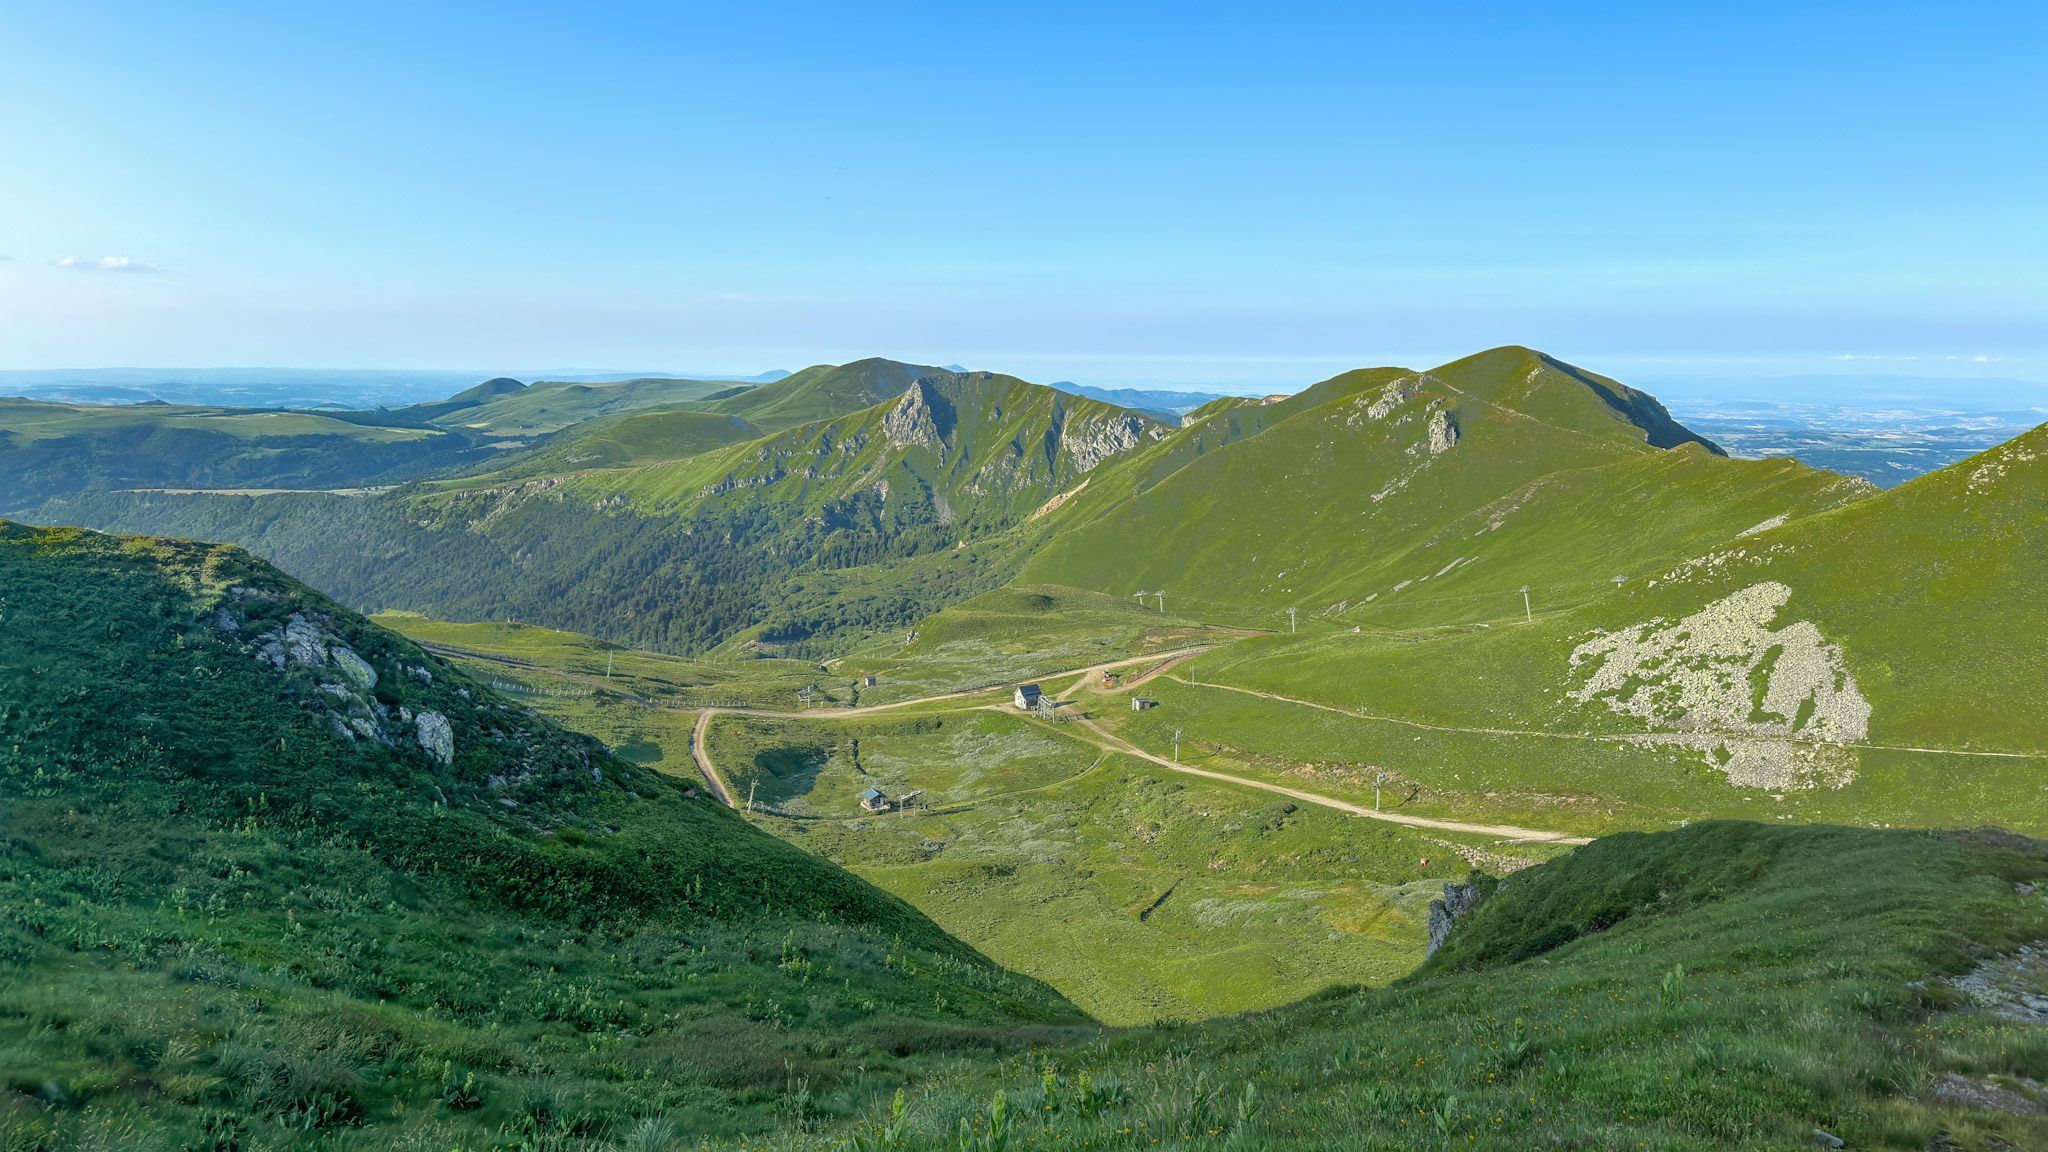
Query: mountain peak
{"type": "Point", "coordinates": [922, 416]}
{"type": "Point", "coordinates": [1538, 384]}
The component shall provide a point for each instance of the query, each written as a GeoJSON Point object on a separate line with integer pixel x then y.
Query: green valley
{"type": "Point", "coordinates": [1472, 756]}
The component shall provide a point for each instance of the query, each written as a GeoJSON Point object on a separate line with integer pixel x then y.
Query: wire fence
{"type": "Point", "coordinates": [1384, 600]}
{"type": "Point", "coordinates": [530, 690]}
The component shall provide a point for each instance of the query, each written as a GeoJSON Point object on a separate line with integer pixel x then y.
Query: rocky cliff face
{"type": "Point", "coordinates": [922, 417]}
{"type": "Point", "coordinates": [1090, 443]}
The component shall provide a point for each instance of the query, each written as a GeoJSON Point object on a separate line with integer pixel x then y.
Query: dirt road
{"type": "Point", "coordinates": [703, 758]}
{"type": "Point", "coordinates": [1505, 831]}
{"type": "Point", "coordinates": [1162, 661]}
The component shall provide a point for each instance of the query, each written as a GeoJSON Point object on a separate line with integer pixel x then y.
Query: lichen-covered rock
{"type": "Point", "coordinates": [354, 667]}
{"type": "Point", "coordinates": [436, 736]}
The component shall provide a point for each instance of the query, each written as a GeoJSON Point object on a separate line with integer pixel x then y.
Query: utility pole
{"type": "Point", "coordinates": [1526, 612]}
{"type": "Point", "coordinates": [750, 794]}
{"type": "Point", "coordinates": [607, 667]}
{"type": "Point", "coordinates": [1162, 601]}
{"type": "Point", "coordinates": [1176, 745]}
{"type": "Point", "coordinates": [1290, 619]}
{"type": "Point", "coordinates": [1379, 780]}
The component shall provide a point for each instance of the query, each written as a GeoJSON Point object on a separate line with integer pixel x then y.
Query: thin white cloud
{"type": "Point", "coordinates": [108, 264]}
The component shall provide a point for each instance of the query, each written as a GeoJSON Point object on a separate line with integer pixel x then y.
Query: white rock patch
{"type": "Point", "coordinates": [1766, 526]}
{"type": "Point", "coordinates": [1762, 704]}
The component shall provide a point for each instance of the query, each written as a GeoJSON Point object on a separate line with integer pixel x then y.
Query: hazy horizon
{"type": "Point", "coordinates": [1219, 197]}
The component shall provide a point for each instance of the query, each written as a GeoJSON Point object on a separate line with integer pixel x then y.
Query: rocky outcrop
{"type": "Point", "coordinates": [344, 684]}
{"type": "Point", "coordinates": [922, 417]}
{"type": "Point", "coordinates": [1457, 900]}
{"type": "Point", "coordinates": [1393, 395]}
{"type": "Point", "coordinates": [1442, 433]}
{"type": "Point", "coordinates": [1090, 444]}
{"type": "Point", "coordinates": [303, 642]}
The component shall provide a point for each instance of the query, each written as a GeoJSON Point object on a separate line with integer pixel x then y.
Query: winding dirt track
{"type": "Point", "coordinates": [703, 758]}
{"type": "Point", "coordinates": [1504, 831]}
{"type": "Point", "coordinates": [1163, 662]}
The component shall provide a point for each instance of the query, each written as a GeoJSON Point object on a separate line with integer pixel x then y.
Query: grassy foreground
{"type": "Point", "coordinates": [249, 900]}
{"type": "Point", "coordinates": [1728, 985]}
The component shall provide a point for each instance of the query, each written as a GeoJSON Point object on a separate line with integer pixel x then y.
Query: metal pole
{"type": "Point", "coordinates": [1376, 790]}
{"type": "Point", "coordinates": [1176, 745]}
{"type": "Point", "coordinates": [1526, 612]}
{"type": "Point", "coordinates": [1290, 619]}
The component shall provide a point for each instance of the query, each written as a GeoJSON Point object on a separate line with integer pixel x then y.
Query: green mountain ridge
{"type": "Point", "coordinates": [953, 459]}
{"type": "Point", "coordinates": [1376, 483]}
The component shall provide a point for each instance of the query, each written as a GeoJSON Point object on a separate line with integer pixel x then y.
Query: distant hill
{"type": "Point", "coordinates": [50, 450]}
{"type": "Point", "coordinates": [505, 407]}
{"type": "Point", "coordinates": [1166, 405]}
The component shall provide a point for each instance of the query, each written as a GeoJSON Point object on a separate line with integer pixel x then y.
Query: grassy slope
{"type": "Point", "coordinates": [1139, 894]}
{"type": "Point", "coordinates": [1270, 901]}
{"type": "Point", "coordinates": [1949, 556]}
{"type": "Point", "coordinates": [564, 675]}
{"type": "Point", "coordinates": [1020, 631]}
{"type": "Point", "coordinates": [1731, 985]}
{"type": "Point", "coordinates": [1567, 396]}
{"type": "Point", "coordinates": [1289, 517]}
{"type": "Point", "coordinates": [822, 392]}
{"type": "Point", "coordinates": [632, 440]}
{"type": "Point", "coordinates": [215, 905]}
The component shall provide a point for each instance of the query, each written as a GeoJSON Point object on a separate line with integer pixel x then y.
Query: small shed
{"type": "Point", "coordinates": [1140, 703]}
{"type": "Point", "coordinates": [867, 681]}
{"type": "Point", "coordinates": [875, 800]}
{"type": "Point", "coordinates": [1027, 696]}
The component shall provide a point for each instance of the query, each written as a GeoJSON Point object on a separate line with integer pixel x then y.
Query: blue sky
{"type": "Point", "coordinates": [1117, 194]}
